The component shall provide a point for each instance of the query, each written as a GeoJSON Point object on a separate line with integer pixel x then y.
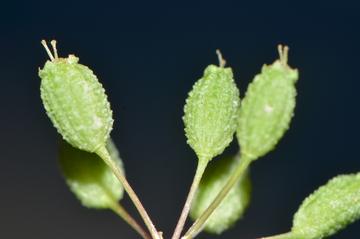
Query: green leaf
{"type": "Point", "coordinates": [267, 108]}
{"type": "Point", "coordinates": [89, 178]}
{"type": "Point", "coordinates": [211, 112]}
{"type": "Point", "coordinates": [329, 209]}
{"type": "Point", "coordinates": [234, 204]}
{"type": "Point", "coordinates": [75, 102]}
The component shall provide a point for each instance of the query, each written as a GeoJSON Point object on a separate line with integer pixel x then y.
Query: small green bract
{"type": "Point", "coordinates": [75, 102]}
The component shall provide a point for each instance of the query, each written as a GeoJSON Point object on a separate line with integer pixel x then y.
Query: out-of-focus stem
{"type": "Point", "coordinates": [104, 155]}
{"type": "Point", "coordinates": [200, 222]}
{"type": "Point", "coordinates": [119, 210]}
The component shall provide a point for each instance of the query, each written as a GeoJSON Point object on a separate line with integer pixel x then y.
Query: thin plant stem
{"type": "Point", "coordinates": [280, 236]}
{"type": "Point", "coordinates": [119, 210]}
{"type": "Point", "coordinates": [198, 225]}
{"type": "Point", "coordinates": [194, 186]}
{"type": "Point", "coordinates": [104, 154]}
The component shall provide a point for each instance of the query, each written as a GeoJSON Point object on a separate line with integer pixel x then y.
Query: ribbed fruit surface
{"type": "Point", "coordinates": [76, 103]}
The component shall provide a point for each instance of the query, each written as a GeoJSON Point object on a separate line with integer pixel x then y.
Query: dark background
{"type": "Point", "coordinates": [148, 55]}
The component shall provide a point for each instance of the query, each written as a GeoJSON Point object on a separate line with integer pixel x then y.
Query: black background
{"type": "Point", "coordinates": [148, 55]}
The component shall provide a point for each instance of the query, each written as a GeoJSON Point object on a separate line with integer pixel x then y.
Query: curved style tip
{"type": "Point", "coordinates": [222, 61]}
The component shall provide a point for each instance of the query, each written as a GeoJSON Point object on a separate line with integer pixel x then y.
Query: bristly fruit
{"type": "Point", "coordinates": [211, 111]}
{"type": "Point", "coordinates": [75, 102]}
{"type": "Point", "coordinates": [267, 108]}
{"type": "Point", "coordinates": [329, 209]}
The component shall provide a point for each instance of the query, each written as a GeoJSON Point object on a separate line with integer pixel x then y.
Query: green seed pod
{"type": "Point", "coordinates": [329, 209]}
{"type": "Point", "coordinates": [234, 204]}
{"type": "Point", "coordinates": [75, 102]}
{"type": "Point", "coordinates": [211, 112]}
{"type": "Point", "coordinates": [89, 178]}
{"type": "Point", "coordinates": [267, 108]}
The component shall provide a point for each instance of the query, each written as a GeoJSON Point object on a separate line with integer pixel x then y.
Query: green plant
{"type": "Point", "coordinates": [77, 105]}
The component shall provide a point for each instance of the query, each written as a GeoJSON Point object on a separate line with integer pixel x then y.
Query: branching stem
{"type": "Point", "coordinates": [194, 186]}
{"type": "Point", "coordinates": [198, 225]}
{"type": "Point", "coordinates": [104, 154]}
{"type": "Point", "coordinates": [119, 210]}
